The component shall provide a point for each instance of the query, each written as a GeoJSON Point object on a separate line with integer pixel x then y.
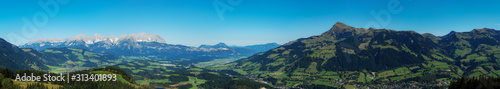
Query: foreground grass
{"type": "Point", "coordinates": [25, 84]}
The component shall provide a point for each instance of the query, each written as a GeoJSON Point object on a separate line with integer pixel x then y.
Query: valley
{"type": "Point", "coordinates": [142, 71]}
{"type": "Point", "coordinates": [346, 56]}
{"type": "Point", "coordinates": [342, 57]}
{"type": "Point", "coordinates": [250, 44]}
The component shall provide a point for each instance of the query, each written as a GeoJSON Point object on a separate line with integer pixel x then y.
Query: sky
{"type": "Point", "coordinates": [236, 22]}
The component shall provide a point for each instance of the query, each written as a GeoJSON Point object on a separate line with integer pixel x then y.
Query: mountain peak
{"type": "Point", "coordinates": [97, 35]}
{"type": "Point", "coordinates": [484, 30]}
{"type": "Point", "coordinates": [449, 34]}
{"type": "Point", "coordinates": [81, 36]}
{"type": "Point", "coordinates": [142, 37]}
{"type": "Point", "coordinates": [143, 33]}
{"type": "Point", "coordinates": [220, 44]}
{"type": "Point", "coordinates": [340, 27]}
{"type": "Point", "coordinates": [340, 30]}
{"type": "Point", "coordinates": [340, 24]}
{"type": "Point", "coordinates": [112, 36]}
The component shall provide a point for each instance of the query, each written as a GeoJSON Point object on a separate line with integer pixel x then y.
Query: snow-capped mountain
{"type": "Point", "coordinates": [140, 45]}
{"type": "Point", "coordinates": [95, 42]}
{"type": "Point", "coordinates": [111, 39]}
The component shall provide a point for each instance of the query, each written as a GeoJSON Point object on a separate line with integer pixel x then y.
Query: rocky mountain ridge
{"type": "Point", "coordinates": [109, 40]}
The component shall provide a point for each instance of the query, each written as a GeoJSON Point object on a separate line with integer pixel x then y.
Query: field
{"type": "Point", "coordinates": [338, 79]}
{"type": "Point", "coordinates": [162, 74]}
{"type": "Point", "coordinates": [195, 81]}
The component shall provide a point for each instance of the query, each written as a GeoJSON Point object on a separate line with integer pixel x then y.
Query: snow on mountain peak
{"type": "Point", "coordinates": [52, 40]}
{"type": "Point", "coordinates": [98, 35]}
{"type": "Point", "coordinates": [140, 37]}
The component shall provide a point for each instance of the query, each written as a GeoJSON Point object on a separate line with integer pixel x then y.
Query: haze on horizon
{"type": "Point", "coordinates": [242, 22]}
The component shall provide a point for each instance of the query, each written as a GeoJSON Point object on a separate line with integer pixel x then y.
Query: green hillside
{"type": "Point", "coordinates": [53, 59]}
{"type": "Point", "coordinates": [345, 56]}
{"type": "Point", "coordinates": [7, 77]}
{"type": "Point", "coordinates": [70, 59]}
{"type": "Point", "coordinates": [163, 74]}
{"type": "Point", "coordinates": [15, 58]}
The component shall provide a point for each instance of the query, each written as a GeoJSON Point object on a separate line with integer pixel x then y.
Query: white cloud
{"type": "Point", "coordinates": [497, 24]}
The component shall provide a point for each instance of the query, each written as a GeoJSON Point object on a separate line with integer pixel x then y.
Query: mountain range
{"type": "Point", "coordinates": [109, 40]}
{"type": "Point", "coordinates": [159, 73]}
{"type": "Point", "coordinates": [147, 46]}
{"type": "Point", "coordinates": [343, 56]}
{"type": "Point", "coordinates": [16, 59]}
{"type": "Point", "coordinates": [57, 59]}
{"type": "Point", "coordinates": [346, 55]}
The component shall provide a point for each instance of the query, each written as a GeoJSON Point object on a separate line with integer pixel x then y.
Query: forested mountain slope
{"type": "Point", "coordinates": [358, 56]}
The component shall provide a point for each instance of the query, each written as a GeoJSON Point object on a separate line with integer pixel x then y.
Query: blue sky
{"type": "Point", "coordinates": [196, 22]}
